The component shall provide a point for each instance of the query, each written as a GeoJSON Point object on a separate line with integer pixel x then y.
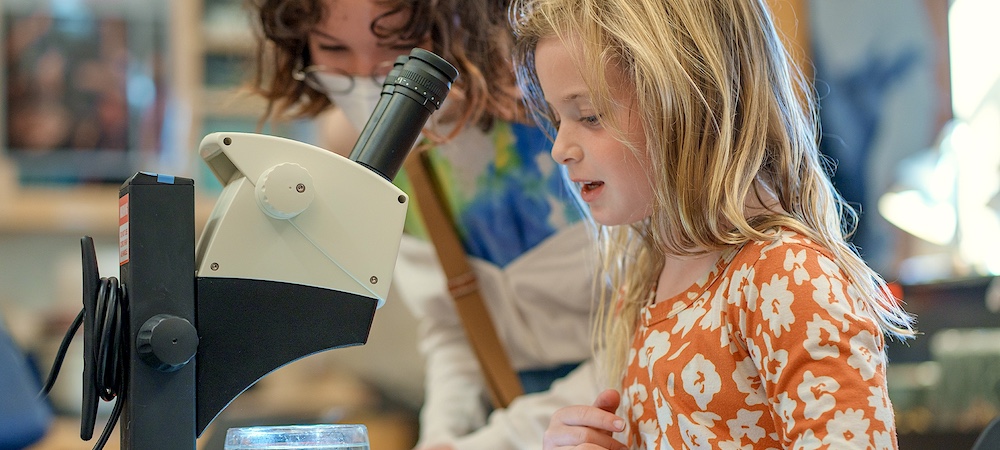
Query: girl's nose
{"type": "Point", "coordinates": [565, 150]}
{"type": "Point", "coordinates": [359, 65]}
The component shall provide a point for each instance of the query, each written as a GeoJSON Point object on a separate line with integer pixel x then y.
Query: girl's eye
{"type": "Point", "coordinates": [591, 120]}
{"type": "Point", "coordinates": [332, 48]}
{"type": "Point", "coordinates": [553, 118]}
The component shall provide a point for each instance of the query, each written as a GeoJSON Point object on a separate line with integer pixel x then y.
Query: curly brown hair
{"type": "Point", "coordinates": [473, 35]}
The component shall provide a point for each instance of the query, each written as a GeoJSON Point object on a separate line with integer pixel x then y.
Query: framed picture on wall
{"type": "Point", "coordinates": [84, 92]}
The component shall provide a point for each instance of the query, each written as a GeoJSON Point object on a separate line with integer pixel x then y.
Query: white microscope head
{"type": "Point", "coordinates": [295, 213]}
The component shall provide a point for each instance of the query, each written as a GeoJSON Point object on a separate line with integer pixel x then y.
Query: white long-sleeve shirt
{"type": "Point", "coordinates": [534, 261]}
{"type": "Point", "coordinates": [540, 310]}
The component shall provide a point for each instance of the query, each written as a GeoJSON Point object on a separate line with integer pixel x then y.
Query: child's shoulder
{"type": "Point", "coordinates": [785, 244]}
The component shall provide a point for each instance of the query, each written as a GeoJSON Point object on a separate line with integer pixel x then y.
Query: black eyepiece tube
{"type": "Point", "coordinates": [415, 87]}
{"type": "Point", "coordinates": [388, 86]}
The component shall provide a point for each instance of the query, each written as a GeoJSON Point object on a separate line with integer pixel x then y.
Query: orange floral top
{"type": "Point", "coordinates": [772, 349]}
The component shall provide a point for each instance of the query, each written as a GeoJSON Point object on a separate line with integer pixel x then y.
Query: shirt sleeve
{"type": "Point", "coordinates": [522, 425]}
{"type": "Point", "coordinates": [819, 353]}
{"type": "Point", "coordinates": [456, 406]}
{"type": "Point", "coordinates": [454, 388]}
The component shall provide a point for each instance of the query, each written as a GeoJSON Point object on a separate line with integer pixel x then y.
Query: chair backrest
{"type": "Point", "coordinates": [24, 417]}
{"type": "Point", "coordinates": [989, 439]}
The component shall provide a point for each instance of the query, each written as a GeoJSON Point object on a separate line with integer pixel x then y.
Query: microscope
{"type": "Point", "coordinates": [294, 259]}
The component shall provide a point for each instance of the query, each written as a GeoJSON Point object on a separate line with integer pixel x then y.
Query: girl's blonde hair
{"type": "Point", "coordinates": [725, 115]}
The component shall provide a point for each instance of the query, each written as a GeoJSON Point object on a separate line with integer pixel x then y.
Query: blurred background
{"type": "Point", "coordinates": [95, 90]}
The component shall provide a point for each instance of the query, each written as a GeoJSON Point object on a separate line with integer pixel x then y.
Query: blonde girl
{"type": "Point", "coordinates": [743, 318]}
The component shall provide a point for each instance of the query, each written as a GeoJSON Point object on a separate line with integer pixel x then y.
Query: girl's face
{"type": "Point", "coordinates": [343, 40]}
{"type": "Point", "coordinates": [612, 179]}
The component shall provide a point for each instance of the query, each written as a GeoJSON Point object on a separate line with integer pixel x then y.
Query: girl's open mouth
{"type": "Point", "coordinates": [589, 191]}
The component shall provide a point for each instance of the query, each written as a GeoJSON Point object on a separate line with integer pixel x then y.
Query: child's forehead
{"type": "Point", "coordinates": [558, 65]}
{"type": "Point", "coordinates": [564, 52]}
{"type": "Point", "coordinates": [567, 71]}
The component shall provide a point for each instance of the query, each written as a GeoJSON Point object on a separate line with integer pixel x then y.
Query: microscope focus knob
{"type": "Point", "coordinates": [284, 190]}
{"type": "Point", "coordinates": [167, 342]}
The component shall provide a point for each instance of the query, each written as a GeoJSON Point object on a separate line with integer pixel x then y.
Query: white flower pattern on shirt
{"type": "Point", "coordinates": [822, 338]}
{"type": "Point", "coordinates": [772, 349]}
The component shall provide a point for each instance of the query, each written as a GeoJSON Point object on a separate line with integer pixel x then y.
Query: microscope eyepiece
{"type": "Point", "coordinates": [428, 76]}
{"type": "Point", "coordinates": [415, 87]}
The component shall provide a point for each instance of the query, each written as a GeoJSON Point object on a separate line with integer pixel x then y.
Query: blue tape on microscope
{"type": "Point", "coordinates": [161, 178]}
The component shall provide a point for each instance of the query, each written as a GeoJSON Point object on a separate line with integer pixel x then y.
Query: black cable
{"type": "Point", "coordinates": [116, 412]}
{"type": "Point", "coordinates": [108, 352]}
{"type": "Point", "coordinates": [109, 328]}
{"type": "Point", "coordinates": [61, 355]}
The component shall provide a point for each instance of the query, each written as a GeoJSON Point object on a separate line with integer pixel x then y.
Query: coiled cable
{"type": "Point", "coordinates": [104, 350]}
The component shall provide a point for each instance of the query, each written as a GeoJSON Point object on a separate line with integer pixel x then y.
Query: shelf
{"type": "Point", "coordinates": [233, 37]}
{"type": "Point", "coordinates": [230, 102]}
{"type": "Point", "coordinates": [88, 210]}
{"type": "Point", "coordinates": [198, 29]}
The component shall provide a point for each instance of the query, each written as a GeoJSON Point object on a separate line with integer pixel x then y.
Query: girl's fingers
{"type": "Point", "coordinates": [587, 427]}
{"type": "Point", "coordinates": [588, 416]}
{"type": "Point", "coordinates": [608, 400]}
{"type": "Point", "coordinates": [579, 438]}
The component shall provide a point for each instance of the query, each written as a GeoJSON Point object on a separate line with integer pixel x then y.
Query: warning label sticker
{"type": "Point", "coordinates": [123, 229]}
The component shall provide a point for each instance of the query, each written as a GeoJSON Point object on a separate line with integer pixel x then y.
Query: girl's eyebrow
{"type": "Point", "coordinates": [323, 34]}
{"type": "Point", "coordinates": [572, 98]}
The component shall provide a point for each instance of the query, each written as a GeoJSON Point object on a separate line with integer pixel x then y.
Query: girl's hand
{"type": "Point", "coordinates": [586, 427]}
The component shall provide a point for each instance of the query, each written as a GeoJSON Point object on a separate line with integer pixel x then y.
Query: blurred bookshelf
{"type": "Point", "coordinates": [204, 52]}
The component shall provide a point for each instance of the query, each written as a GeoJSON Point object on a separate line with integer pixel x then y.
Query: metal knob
{"type": "Point", "coordinates": [167, 342]}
